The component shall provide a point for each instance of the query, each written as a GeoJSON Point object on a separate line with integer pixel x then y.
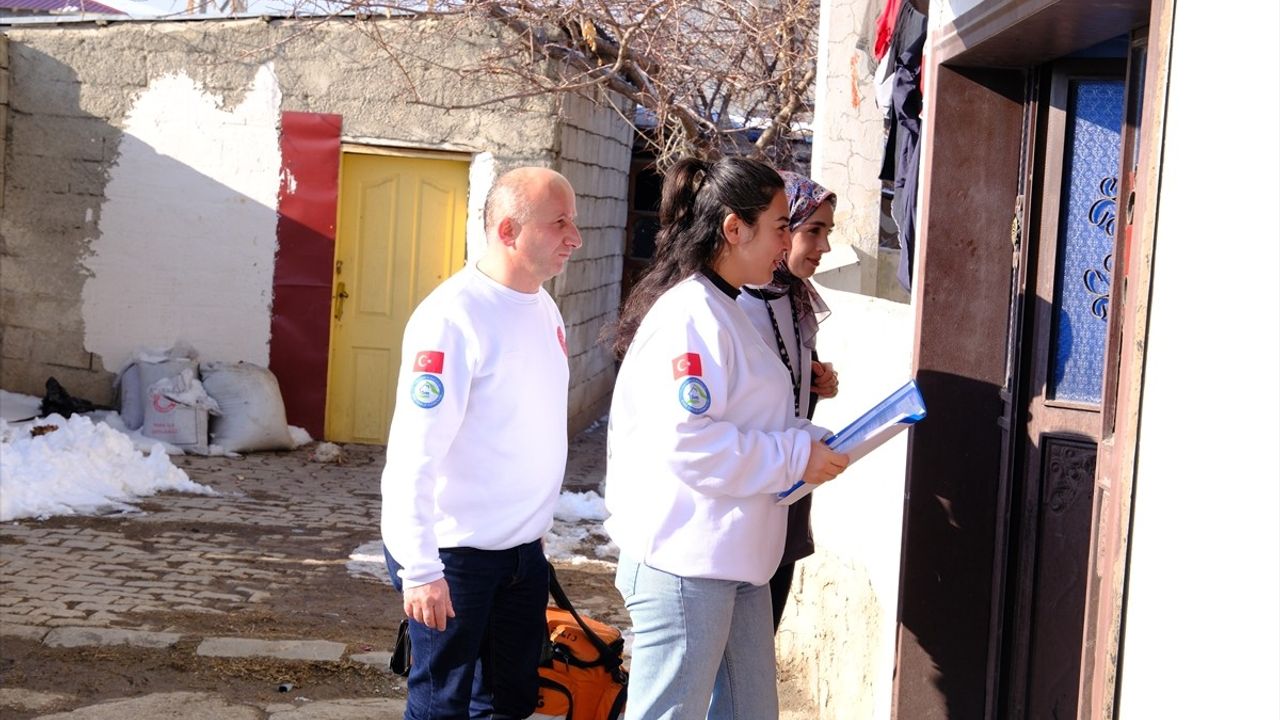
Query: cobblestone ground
{"type": "Point", "coordinates": [95, 608]}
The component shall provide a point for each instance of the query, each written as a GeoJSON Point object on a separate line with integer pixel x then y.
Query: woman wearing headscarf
{"type": "Point", "coordinates": [703, 434]}
{"type": "Point", "coordinates": [786, 312]}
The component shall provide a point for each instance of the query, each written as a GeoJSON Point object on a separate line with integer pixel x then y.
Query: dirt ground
{"type": "Point", "coordinates": [324, 612]}
{"type": "Point", "coordinates": [312, 596]}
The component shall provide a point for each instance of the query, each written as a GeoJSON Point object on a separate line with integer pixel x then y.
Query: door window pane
{"type": "Point", "coordinates": [1082, 287]}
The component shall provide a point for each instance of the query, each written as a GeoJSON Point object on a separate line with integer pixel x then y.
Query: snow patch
{"type": "Point", "coordinates": [75, 466]}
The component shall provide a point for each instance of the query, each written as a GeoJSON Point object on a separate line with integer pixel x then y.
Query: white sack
{"type": "Point", "coordinates": [248, 397]}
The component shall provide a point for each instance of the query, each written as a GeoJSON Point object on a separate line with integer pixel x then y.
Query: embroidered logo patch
{"type": "Point", "coordinates": [429, 361]}
{"type": "Point", "coordinates": [560, 336]}
{"type": "Point", "coordinates": [686, 364]}
{"type": "Point", "coordinates": [694, 395]}
{"type": "Point", "coordinates": [427, 391]}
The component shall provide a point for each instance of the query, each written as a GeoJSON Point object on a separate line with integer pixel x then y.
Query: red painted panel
{"type": "Point", "coordinates": [310, 151]}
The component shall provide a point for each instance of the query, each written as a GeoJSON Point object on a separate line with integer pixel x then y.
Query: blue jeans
{"type": "Point", "coordinates": [703, 648]}
{"type": "Point", "coordinates": [484, 664]}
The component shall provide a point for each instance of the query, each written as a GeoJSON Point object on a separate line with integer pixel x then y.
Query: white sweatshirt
{"type": "Point", "coordinates": [702, 435]}
{"type": "Point", "coordinates": [476, 452]}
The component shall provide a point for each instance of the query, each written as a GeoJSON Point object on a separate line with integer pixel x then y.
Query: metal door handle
{"type": "Point", "coordinates": [339, 300]}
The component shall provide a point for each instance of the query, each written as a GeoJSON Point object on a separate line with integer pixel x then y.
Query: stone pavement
{"type": "Point", "coordinates": [197, 582]}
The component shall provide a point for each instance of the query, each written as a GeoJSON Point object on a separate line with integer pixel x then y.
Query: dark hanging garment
{"type": "Point", "coordinates": [889, 166]}
{"type": "Point", "coordinates": [907, 50]}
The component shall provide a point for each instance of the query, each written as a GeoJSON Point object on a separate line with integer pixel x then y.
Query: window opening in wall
{"type": "Point", "coordinates": [642, 219]}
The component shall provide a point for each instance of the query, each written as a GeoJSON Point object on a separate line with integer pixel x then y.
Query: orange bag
{"type": "Point", "coordinates": [581, 676]}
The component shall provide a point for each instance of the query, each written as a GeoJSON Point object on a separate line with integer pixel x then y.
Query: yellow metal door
{"type": "Point", "coordinates": [401, 231]}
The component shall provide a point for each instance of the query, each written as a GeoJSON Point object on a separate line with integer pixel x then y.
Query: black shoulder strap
{"type": "Point", "coordinates": [611, 659]}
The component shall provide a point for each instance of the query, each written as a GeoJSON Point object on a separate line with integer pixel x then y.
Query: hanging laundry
{"type": "Point", "coordinates": [902, 143]}
{"type": "Point", "coordinates": [884, 27]}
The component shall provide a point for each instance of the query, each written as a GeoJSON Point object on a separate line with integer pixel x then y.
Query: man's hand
{"type": "Point", "coordinates": [824, 463]}
{"type": "Point", "coordinates": [826, 381]}
{"type": "Point", "coordinates": [429, 604]}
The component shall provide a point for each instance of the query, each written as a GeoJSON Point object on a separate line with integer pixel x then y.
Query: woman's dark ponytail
{"type": "Point", "coordinates": [680, 188]}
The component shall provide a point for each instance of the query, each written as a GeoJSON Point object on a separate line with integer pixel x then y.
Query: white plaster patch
{"type": "Point", "coordinates": [480, 179]}
{"type": "Point", "coordinates": [188, 227]}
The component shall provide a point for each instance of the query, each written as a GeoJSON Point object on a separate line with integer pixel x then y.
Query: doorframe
{"type": "Point", "coordinates": [1118, 454]}
{"type": "Point", "coordinates": [955, 520]}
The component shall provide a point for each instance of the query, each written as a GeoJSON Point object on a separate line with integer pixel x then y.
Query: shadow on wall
{"type": "Point", "coordinates": [113, 245]}
{"type": "Point", "coordinates": [946, 572]}
{"type": "Point", "coordinates": [59, 157]}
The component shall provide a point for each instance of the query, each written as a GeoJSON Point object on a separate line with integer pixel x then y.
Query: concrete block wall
{"type": "Point", "coordinates": [56, 163]}
{"type": "Point", "coordinates": [595, 155]}
{"type": "Point", "coordinates": [10, 343]}
{"type": "Point", "coordinates": [4, 117]}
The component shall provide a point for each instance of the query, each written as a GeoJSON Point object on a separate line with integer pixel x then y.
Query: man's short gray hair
{"type": "Point", "coordinates": [509, 197]}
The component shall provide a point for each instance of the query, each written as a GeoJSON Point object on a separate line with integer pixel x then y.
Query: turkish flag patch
{"type": "Point", "coordinates": [560, 336]}
{"type": "Point", "coordinates": [429, 361]}
{"type": "Point", "coordinates": [686, 364]}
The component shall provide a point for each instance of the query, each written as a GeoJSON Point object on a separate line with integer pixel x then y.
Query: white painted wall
{"type": "Point", "coordinates": [188, 228]}
{"type": "Point", "coordinates": [480, 180]}
{"type": "Point", "coordinates": [1202, 629]}
{"type": "Point", "coordinates": [857, 520]}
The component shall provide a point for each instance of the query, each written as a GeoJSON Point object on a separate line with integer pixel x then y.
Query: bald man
{"type": "Point", "coordinates": [476, 456]}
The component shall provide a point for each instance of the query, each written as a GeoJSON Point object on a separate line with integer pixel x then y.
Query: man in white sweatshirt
{"type": "Point", "coordinates": [476, 456]}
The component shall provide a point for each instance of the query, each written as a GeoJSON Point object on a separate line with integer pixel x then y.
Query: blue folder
{"type": "Point", "coordinates": [901, 409]}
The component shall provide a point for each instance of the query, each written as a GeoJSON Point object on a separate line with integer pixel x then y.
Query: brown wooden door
{"type": "Point", "coordinates": [1067, 374]}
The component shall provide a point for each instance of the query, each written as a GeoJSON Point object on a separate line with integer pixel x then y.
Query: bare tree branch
{"type": "Point", "coordinates": [713, 77]}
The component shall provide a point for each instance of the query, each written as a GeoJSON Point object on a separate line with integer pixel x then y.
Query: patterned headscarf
{"type": "Point", "coordinates": [804, 197]}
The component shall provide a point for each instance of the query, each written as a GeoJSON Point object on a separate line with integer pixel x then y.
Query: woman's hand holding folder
{"type": "Point", "coordinates": [824, 463]}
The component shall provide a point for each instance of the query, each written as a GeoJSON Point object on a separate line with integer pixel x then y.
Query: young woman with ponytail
{"type": "Point", "coordinates": [702, 435]}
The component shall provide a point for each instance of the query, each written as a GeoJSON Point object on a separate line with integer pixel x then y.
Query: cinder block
{"type": "Point", "coordinates": [618, 214]}
{"type": "Point", "coordinates": [576, 395]}
{"type": "Point", "coordinates": [125, 70]}
{"type": "Point", "coordinates": [78, 138]}
{"type": "Point", "coordinates": [59, 175]}
{"type": "Point", "coordinates": [53, 97]}
{"type": "Point", "coordinates": [44, 314]}
{"type": "Point", "coordinates": [21, 377]}
{"type": "Point", "coordinates": [61, 349]}
{"type": "Point", "coordinates": [15, 343]}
